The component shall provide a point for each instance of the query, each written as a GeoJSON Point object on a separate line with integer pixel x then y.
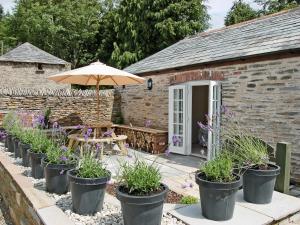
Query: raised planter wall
{"type": "Point", "coordinates": [27, 205]}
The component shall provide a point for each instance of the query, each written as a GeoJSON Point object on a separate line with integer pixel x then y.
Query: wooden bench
{"type": "Point", "coordinates": [143, 138]}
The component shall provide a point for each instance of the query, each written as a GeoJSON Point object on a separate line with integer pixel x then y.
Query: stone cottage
{"type": "Point", "coordinates": [27, 66]}
{"type": "Point", "coordinates": [252, 67]}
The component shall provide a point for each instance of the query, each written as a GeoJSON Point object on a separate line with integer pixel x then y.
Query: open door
{"type": "Point", "coordinates": [177, 119]}
{"type": "Point", "coordinates": [214, 114]}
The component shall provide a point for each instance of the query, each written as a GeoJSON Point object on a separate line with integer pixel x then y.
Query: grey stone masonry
{"type": "Point", "coordinates": [30, 75]}
{"type": "Point", "coordinates": [264, 95]}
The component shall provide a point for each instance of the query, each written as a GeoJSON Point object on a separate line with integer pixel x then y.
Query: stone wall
{"type": "Point", "coordinates": [27, 205]}
{"type": "Point", "coordinates": [69, 107]}
{"type": "Point", "coordinates": [20, 209]}
{"type": "Point", "coordinates": [264, 95]}
{"type": "Point", "coordinates": [27, 75]}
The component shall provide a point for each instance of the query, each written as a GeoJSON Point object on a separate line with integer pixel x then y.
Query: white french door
{"type": "Point", "coordinates": [177, 119]}
{"type": "Point", "coordinates": [214, 114]}
{"type": "Point", "coordinates": [180, 117]}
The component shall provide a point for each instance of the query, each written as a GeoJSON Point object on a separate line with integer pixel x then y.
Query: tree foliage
{"type": "Point", "coordinates": [145, 27]}
{"type": "Point", "coordinates": [118, 32]}
{"type": "Point", "coordinates": [65, 28]}
{"type": "Point", "coordinates": [240, 12]}
{"type": "Point", "coordinates": [273, 6]}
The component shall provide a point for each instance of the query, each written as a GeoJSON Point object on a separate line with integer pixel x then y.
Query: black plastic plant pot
{"type": "Point", "coordinates": [17, 151]}
{"type": "Point", "coordinates": [259, 184]}
{"type": "Point", "coordinates": [56, 177]}
{"type": "Point", "coordinates": [87, 193]}
{"type": "Point", "coordinates": [6, 141]}
{"type": "Point", "coordinates": [142, 208]}
{"type": "Point", "coordinates": [37, 169]}
{"type": "Point", "coordinates": [217, 199]}
{"type": "Point", "coordinates": [24, 148]}
{"type": "Point", "coordinates": [10, 143]}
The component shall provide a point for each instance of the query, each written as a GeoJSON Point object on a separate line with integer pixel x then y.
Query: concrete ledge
{"type": "Point", "coordinates": [27, 205]}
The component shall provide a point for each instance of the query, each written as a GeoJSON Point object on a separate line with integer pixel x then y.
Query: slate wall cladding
{"type": "Point", "coordinates": [69, 107]}
{"type": "Point", "coordinates": [265, 96]}
{"type": "Point", "coordinates": [27, 75]}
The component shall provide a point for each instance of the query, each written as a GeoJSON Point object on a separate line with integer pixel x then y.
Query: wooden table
{"type": "Point", "coordinates": [78, 139]}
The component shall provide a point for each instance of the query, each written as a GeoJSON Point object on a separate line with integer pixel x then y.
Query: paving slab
{"type": "Point", "coordinates": [54, 216]}
{"type": "Point", "coordinates": [169, 207]}
{"type": "Point", "coordinates": [282, 205]}
{"type": "Point", "coordinates": [192, 215]}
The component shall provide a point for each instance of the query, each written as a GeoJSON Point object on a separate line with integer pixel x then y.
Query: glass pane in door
{"type": "Point", "coordinates": [178, 117]}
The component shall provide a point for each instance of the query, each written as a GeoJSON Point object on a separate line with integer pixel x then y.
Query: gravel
{"type": "Point", "coordinates": [110, 214]}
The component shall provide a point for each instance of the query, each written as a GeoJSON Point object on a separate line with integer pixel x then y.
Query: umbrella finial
{"type": "Point", "coordinates": [97, 63]}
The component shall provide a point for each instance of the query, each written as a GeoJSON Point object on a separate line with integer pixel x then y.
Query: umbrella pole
{"type": "Point", "coordinates": [98, 101]}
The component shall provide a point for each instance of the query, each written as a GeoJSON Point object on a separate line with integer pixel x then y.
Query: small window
{"type": "Point", "coordinates": [40, 66]}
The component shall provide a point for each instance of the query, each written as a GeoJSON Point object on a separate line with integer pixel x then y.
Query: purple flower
{"type": "Point", "coordinates": [79, 126]}
{"type": "Point", "coordinates": [201, 125]}
{"type": "Point", "coordinates": [183, 186]}
{"type": "Point", "coordinates": [126, 145]}
{"type": "Point", "coordinates": [86, 137]}
{"type": "Point", "coordinates": [98, 146]}
{"type": "Point", "coordinates": [89, 131]}
{"type": "Point", "coordinates": [176, 140]}
{"type": "Point", "coordinates": [191, 185]}
{"type": "Point", "coordinates": [148, 123]}
{"type": "Point", "coordinates": [63, 158]}
{"type": "Point", "coordinates": [64, 148]}
{"type": "Point", "coordinates": [55, 125]}
{"type": "Point", "coordinates": [108, 133]}
{"type": "Point", "coordinates": [167, 152]}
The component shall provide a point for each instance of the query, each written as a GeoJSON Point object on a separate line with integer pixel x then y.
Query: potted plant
{"type": "Point", "coordinates": [141, 193]}
{"type": "Point", "coordinates": [39, 145]}
{"type": "Point", "coordinates": [16, 132]}
{"type": "Point", "coordinates": [259, 174]}
{"type": "Point", "coordinates": [8, 124]}
{"type": "Point", "coordinates": [57, 162]}
{"type": "Point", "coordinates": [218, 186]}
{"type": "Point", "coordinates": [25, 145]}
{"type": "Point", "coordinates": [87, 184]}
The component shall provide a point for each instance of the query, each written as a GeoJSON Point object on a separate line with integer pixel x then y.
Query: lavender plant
{"type": "Point", "coordinates": [237, 142]}
{"type": "Point", "coordinates": [60, 155]}
{"type": "Point", "coordinates": [139, 178]}
{"type": "Point", "coordinates": [91, 167]}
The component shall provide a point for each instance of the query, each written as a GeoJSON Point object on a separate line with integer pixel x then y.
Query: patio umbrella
{"type": "Point", "coordinates": [97, 74]}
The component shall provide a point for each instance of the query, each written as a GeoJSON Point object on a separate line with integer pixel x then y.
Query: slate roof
{"type": "Point", "coordinates": [269, 34]}
{"type": "Point", "coordinates": [30, 54]}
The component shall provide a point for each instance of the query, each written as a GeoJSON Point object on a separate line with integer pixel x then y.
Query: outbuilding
{"type": "Point", "coordinates": [27, 66]}
{"type": "Point", "coordinates": [252, 67]}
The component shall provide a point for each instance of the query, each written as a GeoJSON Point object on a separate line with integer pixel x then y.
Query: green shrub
{"type": "Point", "coordinates": [90, 167]}
{"type": "Point", "coordinates": [219, 169]}
{"type": "Point", "coordinates": [140, 178]}
{"type": "Point", "coordinates": [189, 200]}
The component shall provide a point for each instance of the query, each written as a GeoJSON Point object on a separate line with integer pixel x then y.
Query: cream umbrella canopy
{"type": "Point", "coordinates": [97, 74]}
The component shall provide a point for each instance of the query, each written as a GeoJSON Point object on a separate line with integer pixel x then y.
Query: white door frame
{"type": "Point", "coordinates": [187, 87]}
{"type": "Point", "coordinates": [173, 148]}
{"type": "Point", "coordinates": [190, 114]}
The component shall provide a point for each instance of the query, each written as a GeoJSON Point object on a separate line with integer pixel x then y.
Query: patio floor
{"type": "Point", "coordinates": [177, 170]}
